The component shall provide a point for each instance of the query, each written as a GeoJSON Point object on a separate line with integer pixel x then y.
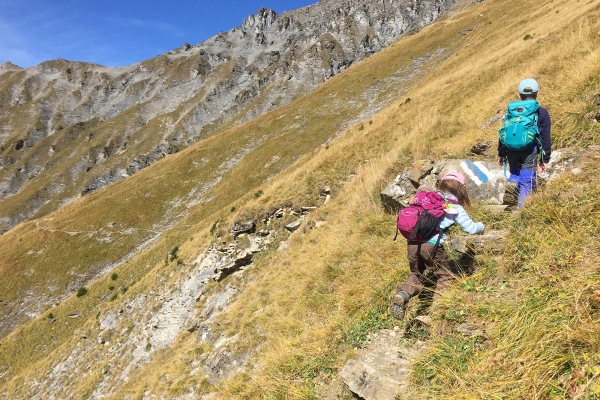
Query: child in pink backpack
{"type": "Point", "coordinates": [426, 257]}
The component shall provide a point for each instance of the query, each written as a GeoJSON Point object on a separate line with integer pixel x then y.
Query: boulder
{"type": "Point", "coordinates": [292, 227]}
{"type": "Point", "coordinates": [397, 194]}
{"type": "Point", "coordinates": [224, 270]}
{"type": "Point", "coordinates": [368, 382]}
{"type": "Point", "coordinates": [485, 181]}
{"type": "Point", "coordinates": [482, 149]}
{"type": "Point", "coordinates": [420, 170]}
{"type": "Point", "coordinates": [239, 227]}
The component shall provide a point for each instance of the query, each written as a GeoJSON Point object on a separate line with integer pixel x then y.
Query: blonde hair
{"type": "Point", "coordinates": [458, 190]}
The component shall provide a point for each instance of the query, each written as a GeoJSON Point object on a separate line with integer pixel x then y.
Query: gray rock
{"type": "Point", "coordinates": [424, 319]}
{"type": "Point", "coordinates": [240, 227]}
{"type": "Point", "coordinates": [368, 382]}
{"type": "Point", "coordinates": [481, 148]}
{"type": "Point", "coordinates": [485, 181]}
{"type": "Point", "coordinates": [292, 227]}
{"type": "Point", "coordinates": [397, 194]}
{"type": "Point", "coordinates": [567, 160]}
{"type": "Point", "coordinates": [224, 270]}
{"type": "Point", "coordinates": [419, 170]}
{"type": "Point", "coordinates": [492, 242]}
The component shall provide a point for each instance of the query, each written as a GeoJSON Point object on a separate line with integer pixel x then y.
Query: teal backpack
{"type": "Point", "coordinates": [520, 128]}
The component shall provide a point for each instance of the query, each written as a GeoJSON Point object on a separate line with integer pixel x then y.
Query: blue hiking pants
{"type": "Point", "coordinates": [523, 167]}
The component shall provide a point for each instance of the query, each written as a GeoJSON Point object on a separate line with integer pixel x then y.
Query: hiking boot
{"type": "Point", "coordinates": [511, 194]}
{"type": "Point", "coordinates": [398, 307]}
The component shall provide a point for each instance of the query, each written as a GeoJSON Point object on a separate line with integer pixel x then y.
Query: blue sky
{"type": "Point", "coordinates": [116, 32]}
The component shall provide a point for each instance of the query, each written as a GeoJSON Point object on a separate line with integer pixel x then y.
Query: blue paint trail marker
{"type": "Point", "coordinates": [474, 172]}
{"type": "Point", "coordinates": [480, 174]}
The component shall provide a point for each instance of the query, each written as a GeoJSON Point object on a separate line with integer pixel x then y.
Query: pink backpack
{"type": "Point", "coordinates": [419, 221]}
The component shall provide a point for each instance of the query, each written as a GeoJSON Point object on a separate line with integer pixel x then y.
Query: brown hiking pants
{"type": "Point", "coordinates": [423, 265]}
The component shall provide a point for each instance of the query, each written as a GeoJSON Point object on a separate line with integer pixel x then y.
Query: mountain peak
{"type": "Point", "coordinates": [8, 65]}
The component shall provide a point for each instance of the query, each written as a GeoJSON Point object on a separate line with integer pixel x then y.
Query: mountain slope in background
{"type": "Point", "coordinates": [70, 128]}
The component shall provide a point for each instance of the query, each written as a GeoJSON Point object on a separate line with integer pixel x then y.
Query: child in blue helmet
{"type": "Point", "coordinates": [524, 165]}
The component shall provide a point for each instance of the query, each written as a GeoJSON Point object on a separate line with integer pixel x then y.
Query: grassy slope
{"type": "Point", "coordinates": [320, 298]}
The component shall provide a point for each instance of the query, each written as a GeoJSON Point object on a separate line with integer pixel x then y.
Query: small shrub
{"type": "Point", "coordinates": [113, 297]}
{"type": "Point", "coordinates": [179, 262]}
{"type": "Point", "coordinates": [111, 287]}
{"type": "Point", "coordinates": [258, 194]}
{"type": "Point", "coordinates": [232, 209]}
{"type": "Point", "coordinates": [50, 316]}
{"type": "Point", "coordinates": [361, 127]}
{"type": "Point", "coordinates": [124, 289]}
{"type": "Point", "coordinates": [148, 347]}
{"type": "Point", "coordinates": [82, 291]}
{"type": "Point", "coordinates": [213, 228]}
{"type": "Point", "coordinates": [114, 276]}
{"type": "Point", "coordinates": [407, 100]}
{"type": "Point", "coordinates": [371, 122]}
{"type": "Point", "coordinates": [173, 253]}
{"type": "Point", "coordinates": [527, 37]}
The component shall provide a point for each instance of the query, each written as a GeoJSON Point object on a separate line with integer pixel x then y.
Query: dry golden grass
{"type": "Point", "coordinates": [306, 308]}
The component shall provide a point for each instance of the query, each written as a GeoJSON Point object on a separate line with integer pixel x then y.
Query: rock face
{"type": "Point", "coordinates": [161, 314]}
{"type": "Point", "coordinates": [70, 128]}
{"type": "Point", "coordinates": [485, 181]}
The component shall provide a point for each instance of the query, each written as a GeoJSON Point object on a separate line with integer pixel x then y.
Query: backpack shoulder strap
{"type": "Point", "coordinates": [447, 200]}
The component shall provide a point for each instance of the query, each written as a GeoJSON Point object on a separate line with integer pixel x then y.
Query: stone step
{"type": "Point", "coordinates": [367, 382]}
{"type": "Point", "coordinates": [492, 242]}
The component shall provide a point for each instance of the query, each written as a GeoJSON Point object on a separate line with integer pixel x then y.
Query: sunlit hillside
{"type": "Point", "coordinates": [303, 307]}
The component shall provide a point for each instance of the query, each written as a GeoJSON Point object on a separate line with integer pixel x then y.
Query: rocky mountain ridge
{"type": "Point", "coordinates": [70, 128]}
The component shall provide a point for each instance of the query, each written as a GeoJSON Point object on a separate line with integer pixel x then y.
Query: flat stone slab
{"type": "Point", "coordinates": [491, 242]}
{"type": "Point", "coordinates": [294, 225]}
{"type": "Point", "coordinates": [368, 382]}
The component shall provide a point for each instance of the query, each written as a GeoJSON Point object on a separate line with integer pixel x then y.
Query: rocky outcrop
{"type": "Point", "coordinates": [7, 65]}
{"type": "Point", "coordinates": [143, 112]}
{"type": "Point", "coordinates": [485, 180]}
